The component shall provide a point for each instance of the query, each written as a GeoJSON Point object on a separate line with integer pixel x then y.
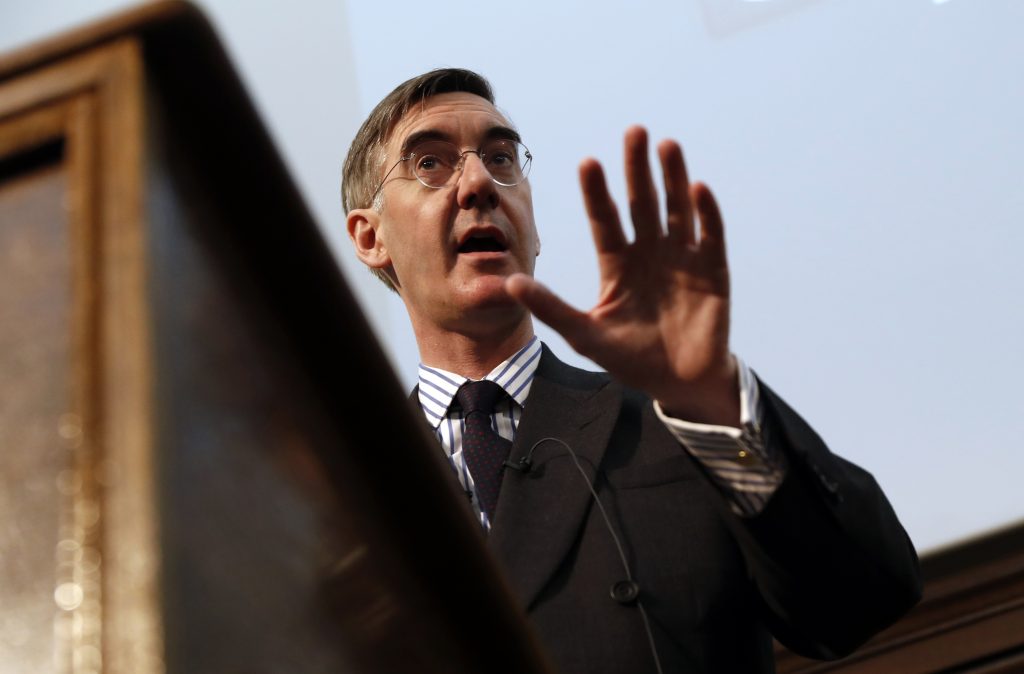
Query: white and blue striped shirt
{"type": "Point", "coordinates": [437, 389]}
{"type": "Point", "coordinates": [740, 461]}
{"type": "Point", "coordinates": [735, 458]}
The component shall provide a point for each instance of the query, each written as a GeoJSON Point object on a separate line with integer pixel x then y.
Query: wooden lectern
{"type": "Point", "coordinates": [207, 465]}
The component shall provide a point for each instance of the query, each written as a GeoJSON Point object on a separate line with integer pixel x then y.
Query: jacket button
{"type": "Point", "coordinates": [830, 485]}
{"type": "Point", "coordinates": [625, 592]}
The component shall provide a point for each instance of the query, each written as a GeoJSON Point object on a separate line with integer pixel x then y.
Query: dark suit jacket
{"type": "Point", "coordinates": [823, 567]}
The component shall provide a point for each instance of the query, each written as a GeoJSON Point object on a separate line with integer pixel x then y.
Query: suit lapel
{"type": "Point", "coordinates": [539, 512]}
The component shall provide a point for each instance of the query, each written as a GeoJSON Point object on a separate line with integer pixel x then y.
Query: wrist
{"type": "Point", "coordinates": [714, 400]}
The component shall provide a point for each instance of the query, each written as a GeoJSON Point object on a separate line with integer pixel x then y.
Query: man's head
{"type": "Point", "coordinates": [365, 161]}
{"type": "Point", "coordinates": [412, 234]}
{"type": "Point", "coordinates": [365, 158]}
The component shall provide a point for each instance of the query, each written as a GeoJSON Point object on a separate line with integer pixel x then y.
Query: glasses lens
{"type": "Point", "coordinates": [435, 162]}
{"type": "Point", "coordinates": [507, 160]}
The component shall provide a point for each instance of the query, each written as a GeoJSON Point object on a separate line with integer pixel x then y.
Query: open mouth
{"type": "Point", "coordinates": [483, 242]}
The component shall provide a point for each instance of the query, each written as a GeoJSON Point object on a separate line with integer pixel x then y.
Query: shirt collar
{"type": "Point", "coordinates": [438, 387]}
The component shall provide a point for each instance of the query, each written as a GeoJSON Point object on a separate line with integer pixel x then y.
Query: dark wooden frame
{"type": "Point", "coordinates": [151, 92]}
{"type": "Point", "coordinates": [971, 619]}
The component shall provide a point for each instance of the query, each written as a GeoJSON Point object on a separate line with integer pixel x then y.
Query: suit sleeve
{"type": "Point", "coordinates": [830, 561]}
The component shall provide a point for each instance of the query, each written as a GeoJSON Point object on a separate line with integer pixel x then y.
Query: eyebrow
{"type": "Point", "coordinates": [493, 132]}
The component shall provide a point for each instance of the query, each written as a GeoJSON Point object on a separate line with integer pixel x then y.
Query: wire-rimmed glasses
{"type": "Point", "coordinates": [436, 162]}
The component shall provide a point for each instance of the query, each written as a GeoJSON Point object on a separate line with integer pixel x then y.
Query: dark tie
{"type": "Point", "coordinates": [484, 450]}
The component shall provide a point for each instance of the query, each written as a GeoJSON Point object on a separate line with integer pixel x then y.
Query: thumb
{"type": "Point", "coordinates": [572, 324]}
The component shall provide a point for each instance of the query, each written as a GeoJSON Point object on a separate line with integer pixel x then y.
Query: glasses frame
{"type": "Point", "coordinates": [462, 162]}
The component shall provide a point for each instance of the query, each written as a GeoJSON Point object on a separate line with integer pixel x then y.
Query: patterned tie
{"type": "Point", "coordinates": [484, 450]}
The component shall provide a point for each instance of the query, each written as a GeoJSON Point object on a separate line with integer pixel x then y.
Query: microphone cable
{"type": "Point", "coordinates": [524, 465]}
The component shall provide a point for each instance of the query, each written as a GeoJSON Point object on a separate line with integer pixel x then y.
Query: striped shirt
{"type": "Point", "coordinates": [736, 459]}
{"type": "Point", "coordinates": [437, 389]}
{"type": "Point", "coordinates": [740, 461]}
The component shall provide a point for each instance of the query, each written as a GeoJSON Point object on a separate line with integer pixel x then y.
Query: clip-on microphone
{"type": "Point", "coordinates": [629, 586]}
{"type": "Point", "coordinates": [522, 465]}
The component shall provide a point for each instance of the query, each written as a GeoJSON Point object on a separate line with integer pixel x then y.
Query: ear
{"type": "Point", "coordinates": [364, 231]}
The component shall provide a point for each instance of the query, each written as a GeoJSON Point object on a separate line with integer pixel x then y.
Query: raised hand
{"type": "Point", "coordinates": [661, 322]}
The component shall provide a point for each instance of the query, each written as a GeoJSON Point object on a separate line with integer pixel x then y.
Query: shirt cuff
{"type": "Point", "coordinates": [741, 462]}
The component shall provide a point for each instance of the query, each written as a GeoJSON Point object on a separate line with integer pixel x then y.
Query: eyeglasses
{"type": "Point", "coordinates": [435, 162]}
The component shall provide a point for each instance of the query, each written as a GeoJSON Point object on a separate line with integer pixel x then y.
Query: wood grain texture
{"type": "Point", "coordinates": [970, 620]}
{"type": "Point", "coordinates": [90, 104]}
{"type": "Point", "coordinates": [36, 462]}
{"type": "Point", "coordinates": [230, 515]}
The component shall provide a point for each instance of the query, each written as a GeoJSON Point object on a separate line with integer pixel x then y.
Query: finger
{"type": "Point", "coordinates": [712, 229]}
{"type": "Point", "coordinates": [643, 197]}
{"type": "Point", "coordinates": [604, 217]}
{"type": "Point", "coordinates": [572, 324]}
{"type": "Point", "coordinates": [678, 207]}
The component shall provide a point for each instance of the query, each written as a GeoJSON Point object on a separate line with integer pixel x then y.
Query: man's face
{"type": "Point", "coordinates": [449, 250]}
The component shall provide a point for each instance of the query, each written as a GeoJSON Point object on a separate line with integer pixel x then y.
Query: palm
{"type": "Point", "coordinates": [661, 322]}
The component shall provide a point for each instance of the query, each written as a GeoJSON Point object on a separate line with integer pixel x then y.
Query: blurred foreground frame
{"type": "Point", "coordinates": [207, 465]}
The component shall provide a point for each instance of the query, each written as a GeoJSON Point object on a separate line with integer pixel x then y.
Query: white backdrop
{"type": "Point", "coordinates": [868, 156]}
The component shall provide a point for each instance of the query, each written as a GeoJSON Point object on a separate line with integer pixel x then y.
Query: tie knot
{"type": "Point", "coordinates": [479, 396]}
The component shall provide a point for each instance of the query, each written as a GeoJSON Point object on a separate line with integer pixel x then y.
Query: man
{"type": "Point", "coordinates": [675, 535]}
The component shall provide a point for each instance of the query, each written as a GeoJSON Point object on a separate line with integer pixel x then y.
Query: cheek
{"type": "Point", "coordinates": [533, 237]}
{"type": "Point", "coordinates": [421, 245]}
{"type": "Point", "coordinates": [522, 214]}
{"type": "Point", "coordinates": [404, 230]}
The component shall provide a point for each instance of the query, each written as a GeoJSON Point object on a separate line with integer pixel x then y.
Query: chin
{"type": "Point", "coordinates": [486, 289]}
{"type": "Point", "coordinates": [486, 297]}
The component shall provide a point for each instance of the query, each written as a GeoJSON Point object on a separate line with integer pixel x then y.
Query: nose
{"type": "Point", "coordinates": [476, 188]}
